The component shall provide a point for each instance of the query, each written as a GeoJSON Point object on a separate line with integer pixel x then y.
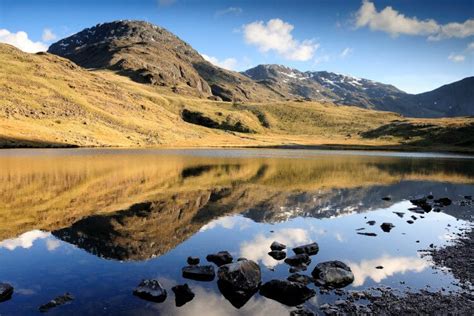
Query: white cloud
{"type": "Point", "coordinates": [229, 10]}
{"type": "Point", "coordinates": [346, 52]}
{"type": "Point", "coordinates": [457, 58]}
{"type": "Point", "coordinates": [48, 35]}
{"type": "Point", "coordinates": [391, 265]}
{"type": "Point", "coordinates": [258, 248]}
{"type": "Point", "coordinates": [275, 35]}
{"type": "Point", "coordinates": [321, 59]}
{"type": "Point", "coordinates": [228, 63]}
{"type": "Point", "coordinates": [21, 41]}
{"type": "Point", "coordinates": [395, 23]}
{"type": "Point", "coordinates": [470, 46]}
{"type": "Point", "coordinates": [25, 240]}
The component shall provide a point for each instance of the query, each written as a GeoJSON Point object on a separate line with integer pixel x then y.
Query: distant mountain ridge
{"type": "Point", "coordinates": [150, 54]}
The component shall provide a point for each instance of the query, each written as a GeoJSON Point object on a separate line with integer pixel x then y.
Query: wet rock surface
{"type": "Point", "coordinates": [387, 227]}
{"type": "Point", "coordinates": [309, 249]}
{"type": "Point", "coordinates": [220, 258]}
{"type": "Point", "coordinates": [277, 254]}
{"type": "Point", "coordinates": [58, 301]}
{"type": "Point", "coordinates": [193, 260]}
{"type": "Point", "coordinates": [332, 274]}
{"type": "Point", "coordinates": [300, 278]}
{"type": "Point", "coordinates": [298, 260]}
{"type": "Point", "coordinates": [6, 292]}
{"type": "Point", "coordinates": [199, 273]}
{"type": "Point", "coordinates": [277, 246]}
{"type": "Point", "coordinates": [302, 312]}
{"type": "Point", "coordinates": [182, 294]}
{"type": "Point", "coordinates": [286, 292]}
{"type": "Point", "coordinates": [150, 290]}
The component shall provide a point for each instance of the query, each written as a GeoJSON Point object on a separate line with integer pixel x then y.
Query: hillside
{"type": "Point", "coordinates": [50, 101]}
{"type": "Point", "coordinates": [150, 54]}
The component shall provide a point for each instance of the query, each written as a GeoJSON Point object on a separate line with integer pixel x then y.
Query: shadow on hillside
{"type": "Point", "coordinates": [424, 134]}
{"type": "Point", "coordinates": [11, 142]}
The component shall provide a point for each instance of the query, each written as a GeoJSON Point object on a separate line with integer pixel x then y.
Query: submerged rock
{"type": "Point", "coordinates": [239, 281]}
{"type": "Point", "coordinates": [387, 227]}
{"type": "Point", "coordinates": [300, 278]}
{"type": "Point", "coordinates": [58, 301]}
{"type": "Point", "coordinates": [277, 254]}
{"type": "Point", "coordinates": [287, 292]}
{"type": "Point", "coordinates": [199, 273]}
{"type": "Point", "coordinates": [193, 260]}
{"type": "Point", "coordinates": [182, 294]}
{"type": "Point", "coordinates": [220, 258]}
{"type": "Point", "coordinates": [298, 260]}
{"type": "Point", "coordinates": [309, 249]}
{"type": "Point", "coordinates": [277, 246]}
{"type": "Point", "coordinates": [150, 290]}
{"type": "Point", "coordinates": [6, 292]}
{"type": "Point", "coordinates": [334, 274]}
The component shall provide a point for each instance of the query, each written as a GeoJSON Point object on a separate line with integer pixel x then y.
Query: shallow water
{"type": "Point", "coordinates": [96, 222]}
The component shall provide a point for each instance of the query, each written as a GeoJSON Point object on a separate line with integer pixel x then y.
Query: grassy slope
{"type": "Point", "coordinates": [49, 101]}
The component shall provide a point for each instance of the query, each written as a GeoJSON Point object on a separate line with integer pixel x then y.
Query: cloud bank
{"type": "Point", "coordinates": [20, 40]}
{"type": "Point", "coordinates": [275, 35]}
{"type": "Point", "coordinates": [228, 63]}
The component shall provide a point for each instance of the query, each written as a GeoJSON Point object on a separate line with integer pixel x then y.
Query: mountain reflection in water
{"type": "Point", "coordinates": [133, 206]}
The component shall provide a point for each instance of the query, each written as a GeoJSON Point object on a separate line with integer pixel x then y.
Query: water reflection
{"type": "Point", "coordinates": [145, 213]}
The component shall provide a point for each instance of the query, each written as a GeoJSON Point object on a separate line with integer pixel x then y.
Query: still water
{"type": "Point", "coordinates": [96, 222]}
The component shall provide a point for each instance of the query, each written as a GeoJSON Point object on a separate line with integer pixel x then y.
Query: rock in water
{"type": "Point", "coordinates": [286, 292]}
{"type": "Point", "coordinates": [297, 260]}
{"type": "Point", "coordinates": [300, 278]}
{"type": "Point", "coordinates": [199, 273]}
{"type": "Point", "coordinates": [371, 223]}
{"type": "Point", "coordinates": [220, 258]}
{"type": "Point", "coordinates": [193, 260]}
{"type": "Point", "coordinates": [333, 274]}
{"type": "Point", "coordinates": [387, 227]}
{"type": "Point", "coordinates": [277, 254]}
{"type": "Point", "coordinates": [309, 249]}
{"type": "Point", "coordinates": [6, 292]}
{"type": "Point", "coordinates": [239, 281]}
{"type": "Point", "coordinates": [443, 201]}
{"type": "Point", "coordinates": [302, 312]}
{"type": "Point", "coordinates": [182, 294]}
{"type": "Point", "coordinates": [60, 300]}
{"type": "Point", "coordinates": [399, 214]}
{"type": "Point", "coordinates": [386, 198]}
{"type": "Point", "coordinates": [150, 290]}
{"type": "Point", "coordinates": [277, 246]}
{"type": "Point", "coordinates": [367, 234]}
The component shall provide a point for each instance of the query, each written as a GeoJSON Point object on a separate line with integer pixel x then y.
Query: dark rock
{"type": "Point", "coordinates": [410, 221]}
{"type": "Point", "coordinates": [199, 273]}
{"type": "Point", "coordinates": [436, 210]}
{"type": "Point", "coordinates": [387, 227]}
{"type": "Point", "coordinates": [193, 260]}
{"type": "Point", "coordinates": [367, 234]}
{"type": "Point", "coordinates": [286, 292]}
{"type": "Point", "coordinates": [399, 214]}
{"type": "Point", "coordinates": [239, 281]}
{"type": "Point", "coordinates": [334, 274]}
{"type": "Point", "coordinates": [359, 229]}
{"type": "Point", "coordinates": [417, 210]}
{"type": "Point", "coordinates": [309, 249]}
{"type": "Point", "coordinates": [418, 201]}
{"type": "Point", "coordinates": [277, 246]}
{"type": "Point", "coordinates": [379, 267]}
{"type": "Point", "coordinates": [182, 294]}
{"type": "Point", "coordinates": [386, 198]}
{"type": "Point", "coordinates": [241, 259]}
{"type": "Point", "coordinates": [300, 278]}
{"type": "Point", "coordinates": [413, 217]}
{"type": "Point", "coordinates": [277, 254]}
{"type": "Point", "coordinates": [6, 292]}
{"type": "Point", "coordinates": [150, 290]}
{"type": "Point", "coordinates": [468, 197]}
{"type": "Point", "coordinates": [298, 259]}
{"type": "Point", "coordinates": [430, 197]}
{"type": "Point", "coordinates": [298, 268]}
{"type": "Point", "coordinates": [444, 201]}
{"type": "Point", "coordinates": [371, 223]}
{"type": "Point", "coordinates": [302, 312]}
{"type": "Point", "coordinates": [220, 258]}
{"type": "Point", "coordinates": [58, 301]}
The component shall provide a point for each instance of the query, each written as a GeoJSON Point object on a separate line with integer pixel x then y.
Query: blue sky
{"type": "Point", "coordinates": [414, 45]}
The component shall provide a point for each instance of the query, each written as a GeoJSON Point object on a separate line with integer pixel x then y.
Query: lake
{"type": "Point", "coordinates": [95, 222]}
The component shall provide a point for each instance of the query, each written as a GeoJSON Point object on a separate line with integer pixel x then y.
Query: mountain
{"type": "Point", "coordinates": [150, 54]}
{"type": "Point", "coordinates": [325, 86]}
{"type": "Point", "coordinates": [455, 99]}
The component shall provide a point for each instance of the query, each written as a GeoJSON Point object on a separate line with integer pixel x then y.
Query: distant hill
{"type": "Point", "coordinates": [150, 54]}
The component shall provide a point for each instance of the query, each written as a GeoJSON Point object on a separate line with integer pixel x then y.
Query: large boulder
{"type": "Point", "coordinates": [287, 292]}
{"type": "Point", "coordinates": [220, 258]}
{"type": "Point", "coordinates": [150, 290]}
{"type": "Point", "coordinates": [6, 292]}
{"type": "Point", "coordinates": [298, 260]}
{"type": "Point", "coordinates": [332, 274]}
{"type": "Point", "coordinates": [199, 273]}
{"type": "Point", "coordinates": [239, 281]}
{"type": "Point", "coordinates": [57, 301]}
{"type": "Point", "coordinates": [182, 294]}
